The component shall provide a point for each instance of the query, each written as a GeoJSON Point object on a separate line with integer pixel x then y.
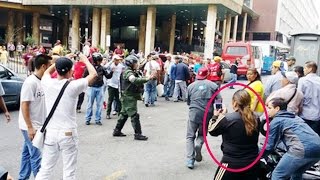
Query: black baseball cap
{"type": "Point", "coordinates": [63, 65]}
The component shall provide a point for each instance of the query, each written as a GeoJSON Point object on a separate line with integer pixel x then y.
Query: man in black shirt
{"type": "Point", "coordinates": [95, 90]}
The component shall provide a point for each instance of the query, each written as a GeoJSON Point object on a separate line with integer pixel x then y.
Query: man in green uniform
{"type": "Point", "coordinates": [131, 88]}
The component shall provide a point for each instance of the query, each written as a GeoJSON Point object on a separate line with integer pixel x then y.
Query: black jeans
{"type": "Point", "coordinates": [113, 96]}
{"type": "Point", "coordinates": [80, 100]}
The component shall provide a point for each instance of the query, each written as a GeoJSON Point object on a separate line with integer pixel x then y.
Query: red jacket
{"type": "Point", "coordinates": [79, 68]}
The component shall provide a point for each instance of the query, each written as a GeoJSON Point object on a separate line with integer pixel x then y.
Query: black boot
{"type": "Point", "coordinates": [140, 137]}
{"type": "Point", "coordinates": [118, 133]}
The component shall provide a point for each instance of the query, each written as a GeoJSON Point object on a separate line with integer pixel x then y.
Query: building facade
{"type": "Point", "coordinates": [277, 18]}
{"type": "Point", "coordinates": [140, 25]}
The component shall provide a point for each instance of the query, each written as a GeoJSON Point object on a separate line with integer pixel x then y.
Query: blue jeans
{"type": "Point", "coordinates": [94, 93]}
{"type": "Point", "coordinates": [30, 159]}
{"type": "Point", "coordinates": [292, 167]}
{"type": "Point", "coordinates": [150, 91]}
{"type": "Point", "coordinates": [233, 78]}
{"type": "Point", "coordinates": [166, 87]}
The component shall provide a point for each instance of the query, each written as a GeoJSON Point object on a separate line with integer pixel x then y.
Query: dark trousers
{"type": "Point", "coordinates": [80, 100]}
{"type": "Point", "coordinates": [11, 54]}
{"type": "Point", "coordinates": [250, 174]}
{"type": "Point", "coordinates": [129, 109]}
{"type": "Point", "coordinates": [113, 96]}
{"type": "Point", "coordinates": [315, 125]}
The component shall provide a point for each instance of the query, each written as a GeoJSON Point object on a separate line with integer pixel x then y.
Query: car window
{"type": "Point", "coordinates": [237, 50]}
{"type": "Point", "coordinates": [3, 72]}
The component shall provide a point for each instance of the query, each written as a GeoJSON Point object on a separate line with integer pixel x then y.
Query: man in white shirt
{"type": "Point", "coordinates": [150, 68]}
{"type": "Point", "coordinates": [3, 104]}
{"type": "Point", "coordinates": [61, 132]}
{"type": "Point", "coordinates": [113, 85]}
{"type": "Point", "coordinates": [31, 116]}
{"type": "Point", "coordinates": [167, 82]}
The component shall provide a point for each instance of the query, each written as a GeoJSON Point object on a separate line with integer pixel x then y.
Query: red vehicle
{"type": "Point", "coordinates": [249, 54]}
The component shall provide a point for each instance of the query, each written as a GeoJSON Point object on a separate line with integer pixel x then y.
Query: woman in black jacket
{"type": "Point", "coordinates": [240, 132]}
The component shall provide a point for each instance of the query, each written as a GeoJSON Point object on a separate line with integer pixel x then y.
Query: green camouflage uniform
{"type": "Point", "coordinates": [131, 93]}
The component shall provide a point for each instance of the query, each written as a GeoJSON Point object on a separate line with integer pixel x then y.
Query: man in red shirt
{"type": "Point", "coordinates": [79, 68]}
{"type": "Point", "coordinates": [215, 69]}
{"type": "Point", "coordinates": [119, 51]}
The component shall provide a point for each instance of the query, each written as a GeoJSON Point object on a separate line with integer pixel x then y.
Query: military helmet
{"type": "Point", "coordinates": [130, 60]}
{"type": "Point", "coordinates": [97, 57]}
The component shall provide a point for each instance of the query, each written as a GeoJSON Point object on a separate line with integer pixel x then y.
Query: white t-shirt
{"type": "Point", "coordinates": [115, 80]}
{"type": "Point", "coordinates": [64, 116]}
{"type": "Point", "coordinates": [1, 90]}
{"type": "Point", "coordinates": [32, 91]}
{"type": "Point", "coordinates": [151, 68]}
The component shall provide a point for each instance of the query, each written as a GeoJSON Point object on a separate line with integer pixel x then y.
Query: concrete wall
{"type": "Point", "coordinates": [267, 11]}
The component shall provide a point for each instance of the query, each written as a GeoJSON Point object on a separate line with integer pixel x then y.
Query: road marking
{"type": "Point", "coordinates": [118, 175]}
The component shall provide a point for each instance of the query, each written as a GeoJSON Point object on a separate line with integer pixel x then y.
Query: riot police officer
{"type": "Point", "coordinates": [131, 88]}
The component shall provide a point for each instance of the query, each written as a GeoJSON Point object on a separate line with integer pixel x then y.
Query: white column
{"type": "Point", "coordinates": [150, 29]}
{"type": "Point", "coordinates": [95, 27]}
{"type": "Point", "coordinates": [224, 32]}
{"type": "Point", "coordinates": [142, 32]}
{"type": "Point", "coordinates": [75, 42]}
{"type": "Point", "coordinates": [172, 33]}
{"type": "Point", "coordinates": [235, 28]}
{"type": "Point", "coordinates": [244, 27]}
{"type": "Point", "coordinates": [36, 28]}
{"type": "Point", "coordinates": [210, 31]}
{"type": "Point", "coordinates": [228, 30]}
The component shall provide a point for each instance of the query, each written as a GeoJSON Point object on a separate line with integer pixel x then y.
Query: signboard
{"type": "Point", "coordinates": [108, 40]}
{"type": "Point", "coordinates": [12, 1]}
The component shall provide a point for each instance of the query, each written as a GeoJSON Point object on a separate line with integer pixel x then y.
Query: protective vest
{"type": "Point", "coordinates": [126, 85]}
{"type": "Point", "coordinates": [214, 72]}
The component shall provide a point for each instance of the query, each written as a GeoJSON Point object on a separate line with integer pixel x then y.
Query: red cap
{"type": "Point", "coordinates": [202, 73]}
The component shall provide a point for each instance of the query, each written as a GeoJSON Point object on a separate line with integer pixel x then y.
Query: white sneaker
{"type": "Point", "coordinates": [114, 113]}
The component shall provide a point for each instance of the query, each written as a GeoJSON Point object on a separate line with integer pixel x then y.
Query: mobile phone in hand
{"type": "Point", "coordinates": [218, 104]}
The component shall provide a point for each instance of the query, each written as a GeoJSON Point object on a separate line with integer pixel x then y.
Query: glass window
{"type": "Point", "coordinates": [237, 50]}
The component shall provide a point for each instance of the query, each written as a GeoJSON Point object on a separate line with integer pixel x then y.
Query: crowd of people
{"type": "Point", "coordinates": [116, 81]}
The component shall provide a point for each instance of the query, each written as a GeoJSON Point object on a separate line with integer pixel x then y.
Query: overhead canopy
{"type": "Point", "coordinates": [276, 44]}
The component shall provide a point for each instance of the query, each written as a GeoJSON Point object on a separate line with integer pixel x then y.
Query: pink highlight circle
{"type": "Point", "coordinates": [204, 129]}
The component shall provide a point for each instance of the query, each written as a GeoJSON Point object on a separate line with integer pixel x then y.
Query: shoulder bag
{"type": "Point", "coordinates": [38, 140]}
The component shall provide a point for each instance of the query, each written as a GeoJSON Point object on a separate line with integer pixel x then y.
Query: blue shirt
{"type": "Point", "coordinates": [310, 87]}
{"type": "Point", "coordinates": [197, 67]}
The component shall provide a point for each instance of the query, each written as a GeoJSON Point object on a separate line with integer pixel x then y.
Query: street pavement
{"type": "Point", "coordinates": [102, 156]}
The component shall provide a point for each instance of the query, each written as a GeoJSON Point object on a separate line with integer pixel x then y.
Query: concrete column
{"type": "Point", "coordinates": [218, 25]}
{"type": "Point", "coordinates": [103, 28]}
{"type": "Point", "coordinates": [65, 30]}
{"type": "Point", "coordinates": [223, 39]}
{"type": "Point", "coordinates": [96, 27]}
{"type": "Point", "coordinates": [244, 27]}
{"type": "Point", "coordinates": [108, 26]}
{"type": "Point", "coordinates": [142, 32]}
{"type": "Point", "coordinates": [184, 33]}
{"type": "Point", "coordinates": [36, 28]}
{"type": "Point", "coordinates": [210, 31]}
{"type": "Point", "coordinates": [150, 29]}
{"type": "Point", "coordinates": [75, 42]}
{"type": "Point", "coordinates": [172, 33]}
{"type": "Point", "coordinates": [10, 27]}
{"type": "Point", "coordinates": [228, 30]}
{"type": "Point", "coordinates": [235, 28]}
{"type": "Point", "coordinates": [190, 32]}
{"type": "Point", "coordinates": [20, 28]}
